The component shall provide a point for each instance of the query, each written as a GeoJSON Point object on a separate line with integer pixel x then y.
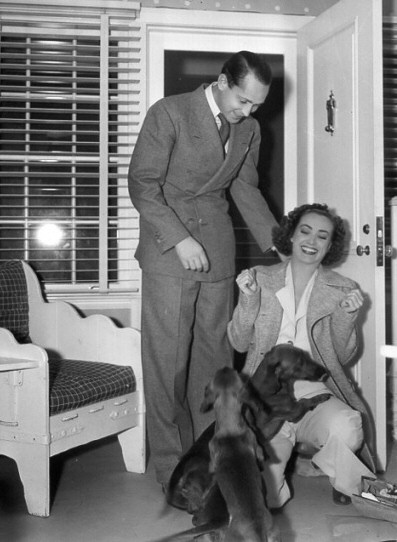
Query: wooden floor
{"type": "Point", "coordinates": [96, 500]}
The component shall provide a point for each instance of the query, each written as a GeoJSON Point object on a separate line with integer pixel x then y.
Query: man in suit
{"type": "Point", "coordinates": [179, 173]}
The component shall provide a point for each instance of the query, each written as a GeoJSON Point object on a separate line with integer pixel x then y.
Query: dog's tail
{"type": "Point", "coordinates": [213, 527]}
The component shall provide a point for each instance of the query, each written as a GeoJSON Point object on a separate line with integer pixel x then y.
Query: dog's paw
{"type": "Point", "coordinates": [321, 398]}
{"type": "Point", "coordinates": [316, 400]}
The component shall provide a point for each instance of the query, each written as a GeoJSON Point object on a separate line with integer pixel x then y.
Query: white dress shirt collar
{"type": "Point", "coordinates": [214, 109]}
{"type": "Point", "coordinates": [211, 101]}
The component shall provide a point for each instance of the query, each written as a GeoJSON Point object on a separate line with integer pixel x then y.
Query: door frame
{"type": "Point", "coordinates": [190, 30]}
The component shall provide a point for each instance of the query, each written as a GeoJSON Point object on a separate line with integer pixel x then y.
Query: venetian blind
{"type": "Point", "coordinates": [69, 116]}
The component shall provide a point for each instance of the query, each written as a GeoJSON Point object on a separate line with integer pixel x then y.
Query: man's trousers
{"type": "Point", "coordinates": [184, 342]}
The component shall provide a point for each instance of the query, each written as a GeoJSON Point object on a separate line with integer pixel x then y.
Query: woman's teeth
{"type": "Point", "coordinates": [308, 250]}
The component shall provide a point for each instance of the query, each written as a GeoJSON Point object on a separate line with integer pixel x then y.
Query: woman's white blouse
{"type": "Point", "coordinates": [293, 329]}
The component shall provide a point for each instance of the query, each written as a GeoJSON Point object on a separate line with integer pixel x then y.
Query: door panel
{"type": "Point", "coordinates": [341, 52]}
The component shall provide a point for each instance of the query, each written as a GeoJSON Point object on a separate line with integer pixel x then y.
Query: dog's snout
{"type": "Point", "coordinates": [314, 371]}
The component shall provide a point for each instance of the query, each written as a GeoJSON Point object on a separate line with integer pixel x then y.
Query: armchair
{"type": "Point", "coordinates": [65, 381]}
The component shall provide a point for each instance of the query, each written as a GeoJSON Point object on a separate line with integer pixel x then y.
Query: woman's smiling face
{"type": "Point", "coordinates": [312, 238]}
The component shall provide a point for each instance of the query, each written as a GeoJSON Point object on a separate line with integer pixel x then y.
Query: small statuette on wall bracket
{"type": "Point", "coordinates": [331, 108]}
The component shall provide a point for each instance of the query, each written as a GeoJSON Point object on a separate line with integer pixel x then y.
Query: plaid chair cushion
{"type": "Point", "coordinates": [14, 308]}
{"type": "Point", "coordinates": [75, 383]}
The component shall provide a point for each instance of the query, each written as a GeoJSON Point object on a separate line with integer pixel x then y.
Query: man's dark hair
{"type": "Point", "coordinates": [244, 62]}
{"type": "Point", "coordinates": [282, 234]}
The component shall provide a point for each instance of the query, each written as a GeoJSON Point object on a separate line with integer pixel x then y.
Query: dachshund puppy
{"type": "Point", "coordinates": [235, 461]}
{"type": "Point", "coordinates": [192, 486]}
{"type": "Point", "coordinates": [274, 382]}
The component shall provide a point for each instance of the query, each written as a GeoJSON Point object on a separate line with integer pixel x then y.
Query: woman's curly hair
{"type": "Point", "coordinates": [282, 234]}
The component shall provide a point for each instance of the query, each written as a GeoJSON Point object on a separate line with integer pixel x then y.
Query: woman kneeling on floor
{"type": "Point", "coordinates": [302, 302]}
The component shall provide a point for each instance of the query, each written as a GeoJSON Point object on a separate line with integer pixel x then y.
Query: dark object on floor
{"type": "Point", "coordinates": [340, 498]}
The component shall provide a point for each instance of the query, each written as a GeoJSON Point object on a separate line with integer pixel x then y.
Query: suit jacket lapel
{"type": "Point", "coordinates": [204, 130]}
{"type": "Point", "coordinates": [239, 143]}
{"type": "Point", "coordinates": [203, 127]}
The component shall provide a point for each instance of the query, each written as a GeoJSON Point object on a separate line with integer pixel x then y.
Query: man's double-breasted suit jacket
{"type": "Point", "coordinates": [178, 178]}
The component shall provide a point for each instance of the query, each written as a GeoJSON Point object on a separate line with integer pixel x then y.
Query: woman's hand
{"type": "Point", "coordinates": [353, 301]}
{"type": "Point", "coordinates": [246, 281]}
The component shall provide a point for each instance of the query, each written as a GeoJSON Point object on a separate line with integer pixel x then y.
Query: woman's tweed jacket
{"type": "Point", "coordinates": [256, 323]}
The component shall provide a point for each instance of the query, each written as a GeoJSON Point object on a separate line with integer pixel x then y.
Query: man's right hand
{"type": "Point", "coordinates": [192, 255]}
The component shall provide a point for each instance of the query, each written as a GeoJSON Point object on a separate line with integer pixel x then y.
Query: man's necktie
{"type": "Point", "coordinates": [224, 130]}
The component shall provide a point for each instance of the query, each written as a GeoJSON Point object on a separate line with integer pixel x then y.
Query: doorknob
{"type": "Point", "coordinates": [389, 251]}
{"type": "Point", "coordinates": [362, 250]}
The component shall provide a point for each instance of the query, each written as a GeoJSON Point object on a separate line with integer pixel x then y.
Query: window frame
{"type": "Point", "coordinates": [90, 14]}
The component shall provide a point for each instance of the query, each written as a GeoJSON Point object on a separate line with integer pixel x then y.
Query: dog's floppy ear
{"type": "Point", "coordinates": [288, 361]}
{"type": "Point", "coordinates": [274, 356]}
{"type": "Point", "coordinates": [265, 380]}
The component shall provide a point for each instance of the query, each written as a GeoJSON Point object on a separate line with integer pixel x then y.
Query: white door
{"type": "Point", "coordinates": [340, 52]}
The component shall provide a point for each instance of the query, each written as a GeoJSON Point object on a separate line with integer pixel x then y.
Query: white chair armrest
{"type": "Point", "coordinates": [16, 364]}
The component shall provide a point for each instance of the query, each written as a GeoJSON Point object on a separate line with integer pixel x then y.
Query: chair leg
{"type": "Point", "coordinates": [33, 461]}
{"type": "Point", "coordinates": [133, 447]}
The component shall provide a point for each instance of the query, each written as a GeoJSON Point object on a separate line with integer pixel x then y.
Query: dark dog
{"type": "Point", "coordinates": [192, 486]}
{"type": "Point", "coordinates": [274, 382]}
{"type": "Point", "coordinates": [235, 460]}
